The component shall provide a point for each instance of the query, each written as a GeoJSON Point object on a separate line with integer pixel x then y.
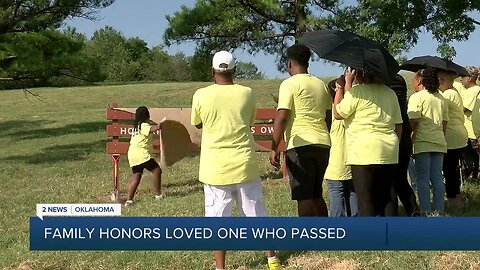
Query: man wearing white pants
{"type": "Point", "coordinates": [248, 197]}
{"type": "Point", "coordinates": [228, 165]}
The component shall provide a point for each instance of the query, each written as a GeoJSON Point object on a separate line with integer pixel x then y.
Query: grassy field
{"type": "Point", "coordinates": [53, 152]}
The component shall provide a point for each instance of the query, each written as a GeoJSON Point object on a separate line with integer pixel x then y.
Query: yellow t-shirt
{"type": "Point", "coordinates": [456, 134]}
{"type": "Point", "coordinates": [371, 112]}
{"type": "Point", "coordinates": [337, 163]}
{"type": "Point", "coordinates": [459, 86]}
{"type": "Point", "coordinates": [470, 97]}
{"type": "Point", "coordinates": [227, 149]}
{"type": "Point", "coordinates": [139, 150]}
{"type": "Point", "coordinates": [308, 99]}
{"type": "Point", "coordinates": [430, 110]}
{"type": "Point", "coordinates": [475, 118]}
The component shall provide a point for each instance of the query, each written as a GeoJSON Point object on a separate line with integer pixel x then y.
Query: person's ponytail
{"type": "Point", "coordinates": [141, 116]}
{"type": "Point", "coordinates": [429, 79]}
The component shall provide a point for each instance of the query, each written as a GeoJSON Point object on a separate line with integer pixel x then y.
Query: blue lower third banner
{"type": "Point", "coordinates": [243, 233]}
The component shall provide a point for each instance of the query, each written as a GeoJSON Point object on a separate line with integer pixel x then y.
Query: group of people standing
{"type": "Point", "coordinates": [355, 132]}
{"type": "Point", "coordinates": [374, 132]}
{"type": "Point", "coordinates": [358, 156]}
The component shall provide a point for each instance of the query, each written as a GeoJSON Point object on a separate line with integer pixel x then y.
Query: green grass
{"type": "Point", "coordinates": [54, 152]}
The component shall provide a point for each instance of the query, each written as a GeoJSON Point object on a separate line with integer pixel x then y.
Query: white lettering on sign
{"type": "Point", "coordinates": [263, 130]}
{"type": "Point", "coordinates": [129, 131]}
{"type": "Point", "coordinates": [124, 130]}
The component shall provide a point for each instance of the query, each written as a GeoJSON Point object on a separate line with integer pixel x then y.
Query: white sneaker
{"type": "Point", "coordinates": [159, 197]}
{"type": "Point", "coordinates": [128, 203]}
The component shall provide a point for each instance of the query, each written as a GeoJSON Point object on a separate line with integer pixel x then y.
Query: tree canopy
{"type": "Point", "coordinates": [272, 25]}
{"type": "Point", "coordinates": [54, 53]}
{"type": "Point", "coordinates": [248, 71]}
{"type": "Point", "coordinates": [35, 15]}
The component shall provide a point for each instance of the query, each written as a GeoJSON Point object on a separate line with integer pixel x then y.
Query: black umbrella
{"type": "Point", "coordinates": [417, 63]}
{"type": "Point", "coordinates": [354, 51]}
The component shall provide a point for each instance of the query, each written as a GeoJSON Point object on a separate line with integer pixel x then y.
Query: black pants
{"type": "Point", "coordinates": [373, 184]}
{"type": "Point", "coordinates": [401, 187]}
{"type": "Point", "coordinates": [470, 155]}
{"type": "Point", "coordinates": [452, 172]}
{"type": "Point", "coordinates": [306, 167]}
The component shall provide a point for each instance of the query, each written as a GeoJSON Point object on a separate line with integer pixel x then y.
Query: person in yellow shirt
{"type": "Point", "coordinates": [303, 102]}
{"type": "Point", "coordinates": [476, 116]}
{"type": "Point", "coordinates": [139, 156]}
{"type": "Point", "coordinates": [459, 86]}
{"type": "Point", "coordinates": [456, 137]}
{"type": "Point", "coordinates": [373, 124]}
{"type": "Point", "coordinates": [343, 199]}
{"type": "Point", "coordinates": [228, 165]}
{"type": "Point", "coordinates": [428, 113]}
{"type": "Point", "coordinates": [470, 97]}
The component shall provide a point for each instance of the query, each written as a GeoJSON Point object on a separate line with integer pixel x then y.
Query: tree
{"type": "Point", "coordinates": [35, 15]}
{"type": "Point", "coordinates": [78, 67]}
{"type": "Point", "coordinates": [55, 54]}
{"type": "Point", "coordinates": [102, 42]}
{"type": "Point", "coordinates": [123, 60]}
{"type": "Point", "coordinates": [154, 65]}
{"type": "Point", "coordinates": [120, 59]}
{"type": "Point", "coordinates": [201, 65]}
{"type": "Point", "coordinates": [160, 66]}
{"type": "Point", "coordinates": [248, 71]}
{"type": "Point", "coordinates": [272, 25]}
{"type": "Point", "coordinates": [27, 22]}
{"type": "Point", "coordinates": [180, 68]}
{"type": "Point", "coordinates": [136, 47]}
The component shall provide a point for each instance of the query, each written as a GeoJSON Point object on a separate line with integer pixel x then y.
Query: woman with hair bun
{"type": "Point", "coordinates": [428, 114]}
{"type": "Point", "coordinates": [373, 126]}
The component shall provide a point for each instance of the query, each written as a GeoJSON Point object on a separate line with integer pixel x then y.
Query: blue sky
{"type": "Point", "coordinates": [146, 19]}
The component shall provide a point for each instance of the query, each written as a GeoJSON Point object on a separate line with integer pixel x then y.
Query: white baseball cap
{"type": "Point", "coordinates": [223, 61]}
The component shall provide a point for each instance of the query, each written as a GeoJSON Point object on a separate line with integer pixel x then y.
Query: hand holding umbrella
{"type": "Point", "coordinates": [350, 74]}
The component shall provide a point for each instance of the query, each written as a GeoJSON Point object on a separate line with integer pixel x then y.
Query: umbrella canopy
{"type": "Point", "coordinates": [354, 51]}
{"type": "Point", "coordinates": [428, 61]}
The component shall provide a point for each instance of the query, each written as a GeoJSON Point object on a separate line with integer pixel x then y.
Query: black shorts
{"type": "Point", "coordinates": [306, 167]}
{"type": "Point", "coordinates": [150, 165]}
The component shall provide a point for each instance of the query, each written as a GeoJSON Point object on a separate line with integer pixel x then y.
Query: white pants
{"type": "Point", "coordinates": [248, 197]}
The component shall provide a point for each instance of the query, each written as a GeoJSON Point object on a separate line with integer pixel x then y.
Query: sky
{"type": "Point", "coordinates": [146, 19]}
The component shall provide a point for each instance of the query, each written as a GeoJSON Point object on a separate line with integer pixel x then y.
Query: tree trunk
{"type": "Point", "coordinates": [300, 19]}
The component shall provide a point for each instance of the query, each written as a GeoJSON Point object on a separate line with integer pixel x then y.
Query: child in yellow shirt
{"type": "Point", "coordinates": [139, 156]}
{"type": "Point", "coordinates": [343, 199]}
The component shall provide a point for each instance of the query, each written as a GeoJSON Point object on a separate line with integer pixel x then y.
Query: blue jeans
{"type": "Point", "coordinates": [412, 174]}
{"type": "Point", "coordinates": [343, 199]}
{"type": "Point", "coordinates": [428, 167]}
